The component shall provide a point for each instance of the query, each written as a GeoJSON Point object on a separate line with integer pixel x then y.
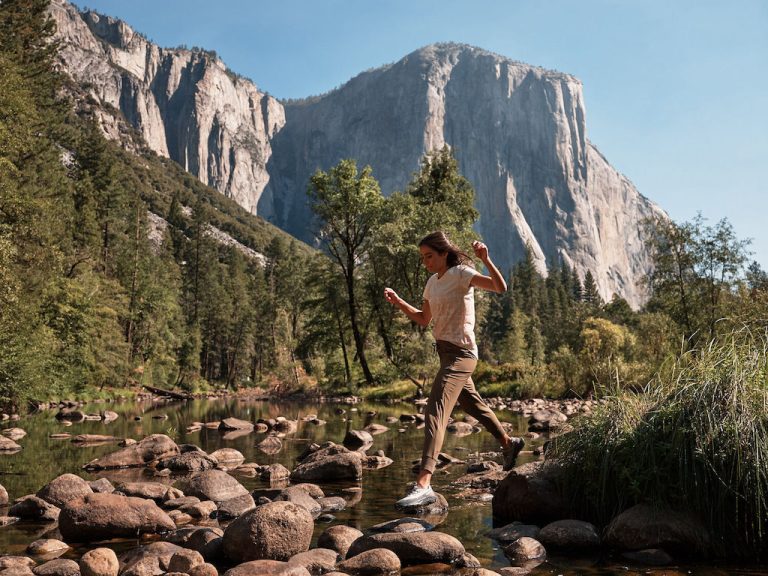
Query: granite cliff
{"type": "Point", "coordinates": [519, 131]}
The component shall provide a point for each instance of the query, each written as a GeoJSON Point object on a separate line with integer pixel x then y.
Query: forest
{"type": "Point", "coordinates": [118, 269]}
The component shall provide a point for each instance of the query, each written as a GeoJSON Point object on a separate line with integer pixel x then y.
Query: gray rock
{"type": "Point", "coordinates": [150, 490]}
{"type": "Point", "coordinates": [234, 507]}
{"type": "Point", "coordinates": [274, 531]}
{"type": "Point", "coordinates": [102, 485]}
{"type": "Point", "coordinates": [513, 531]}
{"type": "Point", "coordinates": [188, 462]}
{"type": "Point", "coordinates": [301, 498]}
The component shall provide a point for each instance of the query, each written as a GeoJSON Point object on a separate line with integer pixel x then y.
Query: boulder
{"type": "Point", "coordinates": [99, 562]}
{"type": "Point", "coordinates": [184, 560]}
{"type": "Point", "coordinates": [378, 561]}
{"type": "Point", "coordinates": [270, 445]}
{"type": "Point", "coordinates": [58, 567]}
{"type": "Point", "coordinates": [273, 531]}
{"type": "Point", "coordinates": [188, 462]}
{"type": "Point", "coordinates": [34, 508]}
{"type": "Point", "coordinates": [301, 498]}
{"type": "Point", "coordinates": [63, 489]}
{"type": "Point", "coordinates": [102, 485]}
{"type": "Point", "coordinates": [274, 473]}
{"type": "Point", "coordinates": [47, 547]}
{"type": "Point", "coordinates": [644, 526]}
{"type": "Point", "coordinates": [412, 547]}
{"type": "Point", "coordinates": [8, 445]}
{"type": "Point", "coordinates": [205, 509]}
{"type": "Point", "coordinates": [524, 549]}
{"type": "Point", "coordinates": [267, 568]}
{"type": "Point", "coordinates": [234, 507]}
{"type": "Point", "coordinates": [331, 463]}
{"type": "Point", "coordinates": [358, 440]}
{"type": "Point", "coordinates": [317, 560]}
{"type": "Point", "coordinates": [511, 532]}
{"type": "Point", "coordinates": [339, 538]}
{"type": "Point", "coordinates": [235, 424]}
{"type": "Point", "coordinates": [228, 457]}
{"type": "Point", "coordinates": [375, 429]}
{"type": "Point", "coordinates": [103, 516]}
{"type": "Point", "coordinates": [149, 560]}
{"type": "Point", "coordinates": [147, 451]}
{"type": "Point", "coordinates": [204, 570]}
{"type": "Point", "coordinates": [204, 539]}
{"type": "Point", "coordinates": [403, 525]}
{"type": "Point", "coordinates": [149, 490]}
{"type": "Point", "coordinates": [214, 485]}
{"type": "Point", "coordinates": [3, 496]}
{"type": "Point", "coordinates": [529, 494]}
{"type": "Point", "coordinates": [570, 536]}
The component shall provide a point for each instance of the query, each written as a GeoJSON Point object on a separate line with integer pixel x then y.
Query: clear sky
{"type": "Point", "coordinates": [676, 91]}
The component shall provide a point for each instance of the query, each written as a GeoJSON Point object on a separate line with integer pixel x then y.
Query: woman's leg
{"type": "Point", "coordinates": [456, 368]}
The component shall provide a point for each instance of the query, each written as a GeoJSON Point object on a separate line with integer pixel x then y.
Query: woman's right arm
{"type": "Point", "coordinates": [421, 317]}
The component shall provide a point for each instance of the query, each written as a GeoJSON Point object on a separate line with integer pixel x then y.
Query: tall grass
{"type": "Point", "coordinates": [695, 440]}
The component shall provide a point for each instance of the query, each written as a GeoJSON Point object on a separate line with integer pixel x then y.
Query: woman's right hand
{"type": "Point", "coordinates": [391, 296]}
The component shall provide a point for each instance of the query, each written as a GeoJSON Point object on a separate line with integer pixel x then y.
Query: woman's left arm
{"type": "Point", "coordinates": [493, 283]}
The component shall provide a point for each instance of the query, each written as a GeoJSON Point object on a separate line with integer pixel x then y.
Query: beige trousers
{"type": "Point", "coordinates": [453, 384]}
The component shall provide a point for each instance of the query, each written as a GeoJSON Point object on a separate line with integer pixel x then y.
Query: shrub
{"type": "Point", "coordinates": [696, 440]}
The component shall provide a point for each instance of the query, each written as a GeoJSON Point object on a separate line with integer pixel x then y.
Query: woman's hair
{"type": "Point", "coordinates": [439, 242]}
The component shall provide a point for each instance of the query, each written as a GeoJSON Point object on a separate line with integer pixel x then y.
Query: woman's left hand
{"type": "Point", "coordinates": [481, 250]}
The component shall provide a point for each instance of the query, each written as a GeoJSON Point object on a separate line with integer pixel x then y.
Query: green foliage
{"type": "Point", "coordinates": [694, 440]}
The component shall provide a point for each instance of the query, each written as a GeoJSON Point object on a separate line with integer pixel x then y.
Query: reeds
{"type": "Point", "coordinates": [695, 440]}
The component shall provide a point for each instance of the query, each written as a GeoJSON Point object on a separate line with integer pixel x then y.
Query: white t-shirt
{"type": "Point", "coordinates": [452, 303]}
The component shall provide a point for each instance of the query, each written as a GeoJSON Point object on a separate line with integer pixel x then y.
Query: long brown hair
{"type": "Point", "coordinates": [440, 243]}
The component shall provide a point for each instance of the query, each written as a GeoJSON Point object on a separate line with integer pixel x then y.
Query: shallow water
{"type": "Point", "coordinates": [43, 459]}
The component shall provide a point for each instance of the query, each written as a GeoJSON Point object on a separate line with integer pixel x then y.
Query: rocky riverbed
{"type": "Point", "coordinates": [260, 488]}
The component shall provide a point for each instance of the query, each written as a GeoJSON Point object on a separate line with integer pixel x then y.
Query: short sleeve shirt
{"type": "Point", "coordinates": [452, 303]}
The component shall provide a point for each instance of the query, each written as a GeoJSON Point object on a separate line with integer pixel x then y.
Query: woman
{"type": "Point", "coordinates": [449, 301]}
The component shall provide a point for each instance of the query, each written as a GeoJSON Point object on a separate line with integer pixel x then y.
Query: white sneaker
{"type": "Point", "coordinates": [417, 496]}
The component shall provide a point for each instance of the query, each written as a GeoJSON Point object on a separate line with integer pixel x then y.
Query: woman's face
{"type": "Point", "coordinates": [433, 261]}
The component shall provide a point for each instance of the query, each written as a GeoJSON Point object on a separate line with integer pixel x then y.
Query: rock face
{"type": "Point", "coordinates": [520, 131]}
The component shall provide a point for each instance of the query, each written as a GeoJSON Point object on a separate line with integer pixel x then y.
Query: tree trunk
{"type": "Point", "coordinates": [359, 344]}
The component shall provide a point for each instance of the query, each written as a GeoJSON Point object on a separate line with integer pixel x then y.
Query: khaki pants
{"type": "Point", "coordinates": [453, 384]}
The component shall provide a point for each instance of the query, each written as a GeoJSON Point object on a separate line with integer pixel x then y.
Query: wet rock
{"type": "Point", "coordinates": [179, 518]}
{"type": "Point", "coordinates": [524, 549]}
{"type": "Point", "coordinates": [375, 429]}
{"type": "Point", "coordinates": [188, 462]}
{"type": "Point", "coordinates": [63, 489]}
{"type": "Point", "coordinates": [92, 439]}
{"type": "Point", "coordinates": [34, 508]}
{"type": "Point", "coordinates": [285, 426]}
{"type": "Point", "coordinates": [316, 561]}
{"type": "Point", "coordinates": [460, 428]}
{"type": "Point", "coordinates": [13, 562]}
{"type": "Point", "coordinates": [376, 462]}
{"type": "Point", "coordinates": [378, 561]}
{"type": "Point", "coordinates": [47, 547]}
{"type": "Point", "coordinates": [274, 531]}
{"type": "Point", "coordinates": [3, 496]}
{"type": "Point", "coordinates": [104, 516]}
{"type": "Point", "coordinates": [438, 507]}
{"type": "Point", "coordinates": [14, 433]}
{"type": "Point", "coordinates": [267, 568]}
{"type": "Point", "coordinates": [205, 509]}
{"type": "Point", "coordinates": [644, 526]}
{"type": "Point", "coordinates": [270, 445]}
{"type": "Point", "coordinates": [70, 415]}
{"type": "Point", "coordinates": [545, 420]}
{"type": "Point", "coordinates": [8, 445]}
{"type": "Point", "coordinates": [227, 457]}
{"type": "Point", "coordinates": [109, 416]}
{"type": "Point", "coordinates": [235, 424]}
{"type": "Point", "coordinates": [331, 463]}
{"type": "Point", "coordinates": [150, 490]}
{"type": "Point", "coordinates": [571, 536]}
{"type": "Point", "coordinates": [358, 440]}
{"type": "Point", "coordinates": [99, 562]}
{"type": "Point", "coordinates": [413, 547]}
{"type": "Point", "coordinates": [176, 503]}
{"type": "Point", "coordinates": [57, 568]}
{"type": "Point", "coordinates": [147, 451]}
{"type": "Point", "coordinates": [274, 473]}
{"type": "Point", "coordinates": [403, 525]}
{"type": "Point", "coordinates": [514, 531]}
{"type": "Point", "coordinates": [332, 503]}
{"type": "Point", "coordinates": [529, 494]}
{"type": "Point", "coordinates": [8, 520]}
{"type": "Point", "coordinates": [339, 538]}
{"type": "Point", "coordinates": [649, 557]}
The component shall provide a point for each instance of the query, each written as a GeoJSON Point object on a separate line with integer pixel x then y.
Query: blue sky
{"type": "Point", "coordinates": [676, 91]}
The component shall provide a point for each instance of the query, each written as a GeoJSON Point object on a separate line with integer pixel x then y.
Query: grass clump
{"type": "Point", "coordinates": [695, 440]}
{"type": "Point", "coordinates": [398, 390]}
